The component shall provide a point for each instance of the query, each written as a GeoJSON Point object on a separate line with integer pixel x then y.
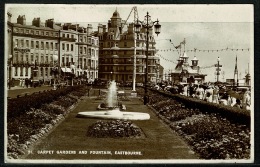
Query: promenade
{"type": "Point", "coordinates": [68, 141]}
{"type": "Point", "coordinates": [18, 90]}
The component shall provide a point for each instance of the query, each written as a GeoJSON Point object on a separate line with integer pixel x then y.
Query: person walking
{"type": "Point", "coordinates": [215, 96]}
{"type": "Point", "coordinates": [208, 94]}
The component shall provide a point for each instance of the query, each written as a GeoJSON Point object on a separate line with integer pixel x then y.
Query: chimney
{"type": "Point", "coordinates": [89, 29]}
{"type": "Point", "coordinates": [100, 28]}
{"type": "Point", "coordinates": [49, 23]}
{"type": "Point", "coordinates": [104, 28]}
{"type": "Point", "coordinates": [36, 22]}
{"type": "Point", "coordinates": [21, 20]}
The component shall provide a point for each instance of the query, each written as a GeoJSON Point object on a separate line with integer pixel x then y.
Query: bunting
{"type": "Point", "coordinates": [203, 50]}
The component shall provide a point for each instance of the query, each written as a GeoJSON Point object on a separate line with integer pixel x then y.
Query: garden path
{"type": "Point", "coordinates": [70, 135]}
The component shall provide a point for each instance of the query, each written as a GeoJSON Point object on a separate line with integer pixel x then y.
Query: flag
{"type": "Point", "coordinates": [176, 47]}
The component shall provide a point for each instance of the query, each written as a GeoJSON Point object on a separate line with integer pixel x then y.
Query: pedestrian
{"type": "Point", "coordinates": [23, 83]}
{"type": "Point", "coordinates": [238, 104]}
{"type": "Point", "coordinates": [215, 96]}
{"type": "Point", "coordinates": [208, 94]}
{"type": "Point", "coordinates": [26, 82]}
{"type": "Point", "coordinates": [20, 83]}
{"type": "Point", "coordinates": [246, 101]}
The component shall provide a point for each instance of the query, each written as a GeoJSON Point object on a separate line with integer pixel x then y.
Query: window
{"type": "Point", "coordinates": [15, 71]}
{"type": "Point", "coordinates": [32, 57]}
{"type": "Point", "coordinates": [21, 30]}
{"type": "Point", "coordinates": [80, 38]}
{"type": "Point", "coordinates": [71, 47]}
{"type": "Point", "coordinates": [37, 32]}
{"type": "Point", "coordinates": [68, 47]}
{"type": "Point", "coordinates": [32, 44]}
{"type": "Point", "coordinates": [36, 57]}
{"type": "Point", "coordinates": [51, 45]}
{"type": "Point", "coordinates": [80, 50]}
{"type": "Point", "coordinates": [51, 58]}
{"type": "Point", "coordinates": [47, 45]}
{"type": "Point", "coordinates": [63, 46]}
{"type": "Point", "coordinates": [22, 45]}
{"type": "Point", "coordinates": [63, 35]}
{"type": "Point", "coordinates": [47, 33]}
{"type": "Point", "coordinates": [85, 50]}
{"type": "Point", "coordinates": [32, 32]}
{"type": "Point", "coordinates": [72, 36]}
{"type": "Point", "coordinates": [89, 40]}
{"type": "Point", "coordinates": [56, 34]}
{"type": "Point", "coordinates": [37, 45]}
{"type": "Point", "coordinates": [125, 44]}
{"type": "Point", "coordinates": [46, 71]}
{"type": "Point", "coordinates": [42, 33]}
{"type": "Point", "coordinates": [68, 35]}
{"type": "Point", "coordinates": [62, 60]}
{"type": "Point", "coordinates": [41, 74]}
{"type": "Point", "coordinates": [47, 59]}
{"type": "Point", "coordinates": [42, 58]}
{"type": "Point", "coordinates": [27, 57]}
{"type": "Point", "coordinates": [26, 71]}
{"type": "Point", "coordinates": [51, 34]}
{"type": "Point", "coordinates": [42, 45]}
{"type": "Point", "coordinates": [101, 45]}
{"type": "Point", "coordinates": [21, 71]}
{"type": "Point", "coordinates": [56, 46]}
{"type": "Point", "coordinates": [27, 31]}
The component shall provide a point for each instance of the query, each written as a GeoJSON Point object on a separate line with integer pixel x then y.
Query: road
{"type": "Point", "coordinates": [15, 91]}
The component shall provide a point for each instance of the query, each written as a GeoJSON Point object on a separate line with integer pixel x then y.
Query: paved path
{"type": "Point", "coordinates": [70, 135]}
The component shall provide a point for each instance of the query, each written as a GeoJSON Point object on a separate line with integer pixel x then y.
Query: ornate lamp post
{"type": "Point", "coordinates": [10, 70]}
{"type": "Point", "coordinates": [147, 24]}
{"type": "Point", "coordinates": [218, 69]}
{"type": "Point", "coordinates": [72, 66]}
{"type": "Point", "coordinates": [55, 70]}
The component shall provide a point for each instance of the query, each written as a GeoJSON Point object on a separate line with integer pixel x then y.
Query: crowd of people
{"type": "Point", "coordinates": [214, 93]}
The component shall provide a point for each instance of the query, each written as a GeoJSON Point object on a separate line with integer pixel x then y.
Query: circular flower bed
{"type": "Point", "coordinates": [114, 129]}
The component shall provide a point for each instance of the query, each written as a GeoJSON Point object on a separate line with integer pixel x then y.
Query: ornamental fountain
{"type": "Point", "coordinates": [111, 108]}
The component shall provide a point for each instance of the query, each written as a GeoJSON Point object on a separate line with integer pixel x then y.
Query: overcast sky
{"type": "Point", "coordinates": [205, 27]}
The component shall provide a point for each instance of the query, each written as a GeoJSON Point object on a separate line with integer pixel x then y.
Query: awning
{"type": "Point", "coordinates": [66, 70]}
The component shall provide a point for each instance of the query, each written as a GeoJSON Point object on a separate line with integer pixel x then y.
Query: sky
{"type": "Point", "coordinates": [205, 27]}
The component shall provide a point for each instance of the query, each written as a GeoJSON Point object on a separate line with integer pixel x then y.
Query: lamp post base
{"type": "Point", "coordinates": [146, 99]}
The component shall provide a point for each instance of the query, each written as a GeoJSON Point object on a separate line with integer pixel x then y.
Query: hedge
{"type": "Point", "coordinates": [18, 106]}
{"type": "Point", "coordinates": [233, 114]}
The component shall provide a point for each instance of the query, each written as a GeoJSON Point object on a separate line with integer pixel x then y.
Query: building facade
{"type": "Point", "coordinates": [118, 48]}
{"type": "Point", "coordinates": [33, 49]}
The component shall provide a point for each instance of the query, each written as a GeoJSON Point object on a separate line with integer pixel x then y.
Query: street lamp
{"type": "Point", "coordinates": [111, 75]}
{"type": "Point", "coordinates": [55, 69]}
{"type": "Point", "coordinates": [72, 66]}
{"type": "Point", "coordinates": [10, 70]}
{"type": "Point", "coordinates": [218, 69]}
{"type": "Point", "coordinates": [147, 24]}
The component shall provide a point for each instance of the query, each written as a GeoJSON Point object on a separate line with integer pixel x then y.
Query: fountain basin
{"type": "Point", "coordinates": [114, 114]}
{"type": "Point", "coordinates": [101, 107]}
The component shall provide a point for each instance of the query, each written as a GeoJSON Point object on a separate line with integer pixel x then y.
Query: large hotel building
{"type": "Point", "coordinates": [116, 52]}
{"type": "Point", "coordinates": [32, 49]}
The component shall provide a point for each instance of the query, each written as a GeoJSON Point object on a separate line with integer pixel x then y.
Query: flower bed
{"type": "Point", "coordinates": [114, 129]}
{"type": "Point", "coordinates": [26, 127]}
{"type": "Point", "coordinates": [210, 134]}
